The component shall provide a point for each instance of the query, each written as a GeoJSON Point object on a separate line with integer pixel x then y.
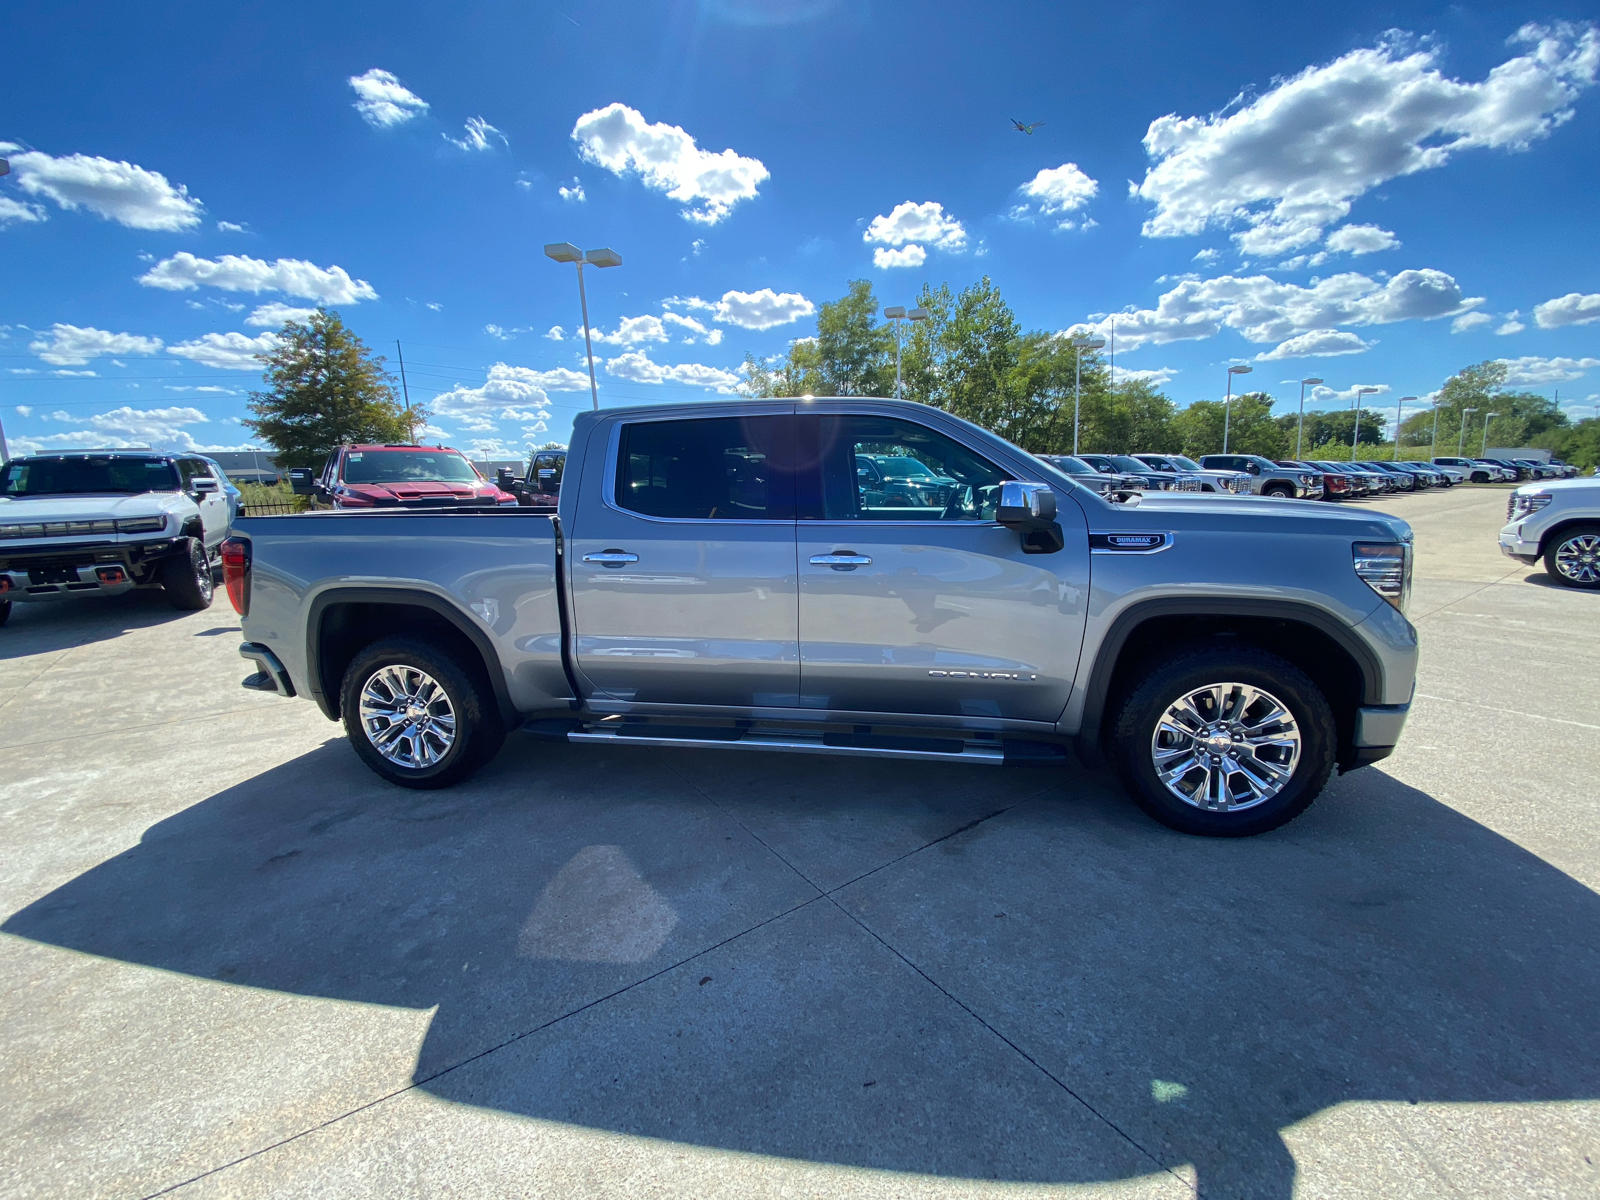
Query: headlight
{"type": "Point", "coordinates": [142, 525]}
{"type": "Point", "coordinates": [1386, 569]}
{"type": "Point", "coordinates": [1308, 481]}
{"type": "Point", "coordinates": [1525, 505]}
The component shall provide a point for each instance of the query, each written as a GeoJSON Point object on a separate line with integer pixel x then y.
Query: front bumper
{"type": "Point", "coordinates": [1513, 544]}
{"type": "Point", "coordinates": [1377, 732]}
{"type": "Point", "coordinates": [53, 572]}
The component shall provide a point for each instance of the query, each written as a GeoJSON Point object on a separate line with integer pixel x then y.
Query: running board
{"type": "Point", "coordinates": [987, 751]}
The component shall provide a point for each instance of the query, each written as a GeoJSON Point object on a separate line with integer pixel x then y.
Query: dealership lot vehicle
{"type": "Point", "coordinates": [541, 484]}
{"type": "Point", "coordinates": [1110, 485]}
{"type": "Point", "coordinates": [1151, 479]}
{"type": "Point", "coordinates": [1474, 471]}
{"type": "Point", "coordinates": [1267, 477]}
{"type": "Point", "coordinates": [1336, 485]}
{"type": "Point", "coordinates": [672, 614]}
{"type": "Point", "coordinates": [391, 476]}
{"type": "Point", "coordinates": [1237, 482]}
{"type": "Point", "coordinates": [1558, 521]}
{"type": "Point", "coordinates": [108, 522]}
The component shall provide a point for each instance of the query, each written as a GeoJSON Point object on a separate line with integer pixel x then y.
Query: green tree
{"type": "Point", "coordinates": [1327, 433]}
{"type": "Point", "coordinates": [1522, 416]}
{"type": "Point", "coordinates": [324, 388]}
{"type": "Point", "coordinates": [1577, 444]}
{"type": "Point", "coordinates": [1251, 428]}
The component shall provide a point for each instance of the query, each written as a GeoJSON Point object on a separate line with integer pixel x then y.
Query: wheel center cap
{"type": "Point", "coordinates": [1219, 742]}
{"type": "Point", "coordinates": [415, 711]}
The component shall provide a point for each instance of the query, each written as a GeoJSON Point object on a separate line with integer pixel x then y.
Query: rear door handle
{"type": "Point", "coordinates": [840, 562]}
{"type": "Point", "coordinates": [611, 558]}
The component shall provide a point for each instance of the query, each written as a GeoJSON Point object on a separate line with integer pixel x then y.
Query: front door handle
{"type": "Point", "coordinates": [845, 561]}
{"type": "Point", "coordinates": [611, 558]}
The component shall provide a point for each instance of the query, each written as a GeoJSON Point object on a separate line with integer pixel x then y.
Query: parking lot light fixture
{"type": "Point", "coordinates": [1356, 436]}
{"type": "Point", "coordinates": [1484, 449]}
{"type": "Point", "coordinates": [1300, 429]}
{"type": "Point", "coordinates": [1227, 405]}
{"type": "Point", "coordinates": [1079, 345]}
{"type": "Point", "coordinates": [566, 252]}
{"type": "Point", "coordinates": [898, 313]}
{"type": "Point", "coordinates": [1461, 442]}
{"type": "Point", "coordinates": [1434, 451]}
{"type": "Point", "coordinates": [1398, 405]}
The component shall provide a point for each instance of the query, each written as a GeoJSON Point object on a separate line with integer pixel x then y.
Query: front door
{"type": "Point", "coordinates": [682, 566]}
{"type": "Point", "coordinates": [213, 505]}
{"type": "Point", "coordinates": [912, 599]}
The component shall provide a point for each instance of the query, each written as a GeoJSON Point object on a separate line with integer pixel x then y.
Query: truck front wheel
{"type": "Point", "coordinates": [186, 577]}
{"type": "Point", "coordinates": [416, 716]}
{"type": "Point", "coordinates": [1573, 557]}
{"type": "Point", "coordinates": [1224, 742]}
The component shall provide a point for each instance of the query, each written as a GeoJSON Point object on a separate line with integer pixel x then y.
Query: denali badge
{"type": "Point", "coordinates": [981, 675]}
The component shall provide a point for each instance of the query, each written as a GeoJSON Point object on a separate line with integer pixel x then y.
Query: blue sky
{"type": "Point", "coordinates": [1376, 195]}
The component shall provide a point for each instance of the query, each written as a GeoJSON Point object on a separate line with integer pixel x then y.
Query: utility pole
{"type": "Point", "coordinates": [1461, 442]}
{"type": "Point", "coordinates": [1300, 429]}
{"type": "Point", "coordinates": [1434, 445]}
{"type": "Point", "coordinates": [1227, 405]}
{"type": "Point", "coordinates": [1398, 404]}
{"type": "Point", "coordinates": [1356, 436]}
{"type": "Point", "coordinates": [411, 426]}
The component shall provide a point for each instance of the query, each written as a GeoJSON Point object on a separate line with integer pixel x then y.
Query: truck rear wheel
{"type": "Point", "coordinates": [1573, 557]}
{"type": "Point", "coordinates": [1224, 742]}
{"type": "Point", "coordinates": [417, 716]}
{"type": "Point", "coordinates": [186, 577]}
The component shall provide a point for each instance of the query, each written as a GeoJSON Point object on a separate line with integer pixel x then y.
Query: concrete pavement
{"type": "Point", "coordinates": [237, 964]}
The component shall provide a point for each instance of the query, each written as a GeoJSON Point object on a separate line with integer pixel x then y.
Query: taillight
{"type": "Point", "coordinates": [236, 573]}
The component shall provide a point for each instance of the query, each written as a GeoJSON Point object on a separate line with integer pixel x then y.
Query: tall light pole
{"type": "Point", "coordinates": [1434, 445]}
{"type": "Point", "coordinates": [897, 314]}
{"type": "Point", "coordinates": [1356, 436]}
{"type": "Point", "coordinates": [1301, 428]}
{"type": "Point", "coordinates": [1461, 442]}
{"type": "Point", "coordinates": [1227, 405]}
{"type": "Point", "coordinates": [1484, 449]}
{"type": "Point", "coordinates": [1079, 345]}
{"type": "Point", "coordinates": [567, 252]}
{"type": "Point", "coordinates": [1398, 404]}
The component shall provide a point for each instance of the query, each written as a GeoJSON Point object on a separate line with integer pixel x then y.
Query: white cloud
{"type": "Point", "coordinates": [1291, 162]}
{"type": "Point", "coordinates": [501, 333]}
{"type": "Point", "coordinates": [1469, 320]}
{"type": "Point", "coordinates": [689, 302]}
{"type": "Point", "coordinates": [1268, 310]}
{"type": "Point", "coordinates": [1360, 239]}
{"type": "Point", "coordinates": [118, 191]}
{"type": "Point", "coordinates": [24, 410]}
{"type": "Point", "coordinates": [228, 351]}
{"type": "Point", "coordinates": [507, 385]}
{"type": "Point", "coordinates": [76, 374]}
{"type": "Point", "coordinates": [1572, 309]}
{"type": "Point", "coordinates": [532, 414]}
{"type": "Point", "coordinates": [905, 256]}
{"type": "Point", "coordinates": [1511, 324]}
{"type": "Point", "coordinates": [631, 331]}
{"type": "Point", "coordinates": [273, 315]}
{"type": "Point", "coordinates": [478, 135]}
{"type": "Point", "coordinates": [208, 389]}
{"type": "Point", "coordinates": [160, 427]}
{"type": "Point", "coordinates": [237, 273]}
{"type": "Point", "coordinates": [1322, 393]}
{"type": "Point", "coordinates": [697, 246]}
{"type": "Point", "coordinates": [1158, 376]}
{"type": "Point", "coordinates": [1207, 256]}
{"type": "Point", "coordinates": [637, 367]}
{"type": "Point", "coordinates": [1319, 343]}
{"type": "Point", "coordinates": [71, 346]}
{"type": "Point", "coordinates": [667, 159]}
{"type": "Point", "coordinates": [15, 210]}
{"type": "Point", "coordinates": [1535, 370]}
{"type": "Point", "coordinates": [556, 333]}
{"type": "Point", "coordinates": [696, 330]}
{"type": "Point", "coordinates": [1056, 192]}
{"type": "Point", "coordinates": [573, 192]}
{"type": "Point", "coordinates": [382, 100]}
{"type": "Point", "coordinates": [763, 309]}
{"type": "Point", "coordinates": [229, 227]}
{"type": "Point", "coordinates": [910, 222]}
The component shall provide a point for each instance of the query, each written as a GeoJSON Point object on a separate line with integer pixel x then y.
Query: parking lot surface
{"type": "Point", "coordinates": [235, 963]}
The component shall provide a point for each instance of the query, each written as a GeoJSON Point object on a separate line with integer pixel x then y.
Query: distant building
{"type": "Point", "coordinates": [248, 466]}
{"type": "Point", "coordinates": [1524, 452]}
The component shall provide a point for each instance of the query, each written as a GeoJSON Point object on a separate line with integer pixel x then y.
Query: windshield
{"type": "Point", "coordinates": [1125, 463]}
{"type": "Point", "coordinates": [1068, 465]}
{"type": "Point", "coordinates": [87, 475]}
{"type": "Point", "coordinates": [408, 466]}
{"type": "Point", "coordinates": [1184, 464]}
{"type": "Point", "coordinates": [903, 468]}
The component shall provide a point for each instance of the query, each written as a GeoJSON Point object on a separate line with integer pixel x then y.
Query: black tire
{"type": "Point", "coordinates": [5, 611]}
{"type": "Point", "coordinates": [1278, 491]}
{"type": "Point", "coordinates": [478, 730]}
{"type": "Point", "coordinates": [1585, 570]}
{"type": "Point", "coordinates": [1480, 477]}
{"type": "Point", "coordinates": [186, 577]}
{"type": "Point", "coordinates": [1134, 727]}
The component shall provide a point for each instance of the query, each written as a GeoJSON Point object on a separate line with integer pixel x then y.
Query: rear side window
{"type": "Point", "coordinates": [712, 469]}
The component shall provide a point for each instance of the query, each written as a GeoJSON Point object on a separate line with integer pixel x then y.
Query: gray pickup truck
{"type": "Point", "coordinates": [717, 575]}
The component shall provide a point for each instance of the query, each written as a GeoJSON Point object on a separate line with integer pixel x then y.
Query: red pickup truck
{"type": "Point", "coordinates": [365, 476]}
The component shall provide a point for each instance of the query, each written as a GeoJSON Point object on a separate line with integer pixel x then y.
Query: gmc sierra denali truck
{"type": "Point", "coordinates": [719, 575]}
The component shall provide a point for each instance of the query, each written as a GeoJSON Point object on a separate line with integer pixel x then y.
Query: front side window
{"type": "Point", "coordinates": [408, 466]}
{"type": "Point", "coordinates": [86, 476]}
{"type": "Point", "coordinates": [916, 474]}
{"type": "Point", "coordinates": [191, 469]}
{"type": "Point", "coordinates": [712, 469]}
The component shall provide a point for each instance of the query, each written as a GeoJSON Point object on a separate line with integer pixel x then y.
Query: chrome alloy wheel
{"type": "Point", "coordinates": [407, 716]}
{"type": "Point", "coordinates": [1226, 747]}
{"type": "Point", "coordinates": [1578, 558]}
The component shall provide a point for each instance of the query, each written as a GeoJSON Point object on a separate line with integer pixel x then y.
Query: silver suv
{"type": "Point", "coordinates": [1267, 477]}
{"type": "Point", "coordinates": [1559, 522]}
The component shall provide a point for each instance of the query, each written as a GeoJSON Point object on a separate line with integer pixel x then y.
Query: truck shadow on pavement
{"type": "Point", "coordinates": [639, 961]}
{"type": "Point", "coordinates": [43, 627]}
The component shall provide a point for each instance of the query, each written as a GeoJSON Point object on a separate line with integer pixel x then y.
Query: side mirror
{"type": "Point", "coordinates": [301, 481]}
{"type": "Point", "coordinates": [503, 478]}
{"type": "Point", "coordinates": [205, 487]}
{"type": "Point", "coordinates": [1030, 509]}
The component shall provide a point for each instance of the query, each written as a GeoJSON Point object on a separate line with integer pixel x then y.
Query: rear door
{"type": "Point", "coordinates": [682, 565]}
{"type": "Point", "coordinates": [924, 604]}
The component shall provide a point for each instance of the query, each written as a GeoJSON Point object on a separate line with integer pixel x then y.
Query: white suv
{"type": "Point", "coordinates": [1558, 521]}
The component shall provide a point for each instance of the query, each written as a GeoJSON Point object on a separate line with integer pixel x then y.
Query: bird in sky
{"type": "Point", "coordinates": [1027, 129]}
